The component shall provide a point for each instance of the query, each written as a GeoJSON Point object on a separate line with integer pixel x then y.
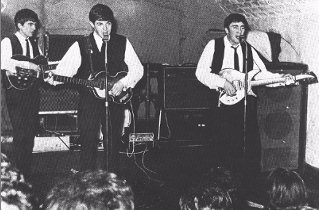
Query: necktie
{"type": "Point", "coordinates": [236, 59]}
{"type": "Point", "coordinates": [28, 48]}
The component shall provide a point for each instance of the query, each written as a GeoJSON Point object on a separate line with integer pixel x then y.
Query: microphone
{"type": "Point", "coordinates": [242, 38]}
{"type": "Point", "coordinates": [106, 37]}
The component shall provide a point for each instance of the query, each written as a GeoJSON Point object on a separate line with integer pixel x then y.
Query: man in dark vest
{"type": "Point", "coordinates": [221, 60]}
{"type": "Point", "coordinates": [23, 105]}
{"type": "Point", "coordinates": [103, 47]}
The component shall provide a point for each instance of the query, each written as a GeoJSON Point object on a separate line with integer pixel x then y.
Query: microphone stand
{"type": "Point", "coordinates": [46, 45]}
{"type": "Point", "coordinates": [245, 100]}
{"type": "Point", "coordinates": [107, 141]}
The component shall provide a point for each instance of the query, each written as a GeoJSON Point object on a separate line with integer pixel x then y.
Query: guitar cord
{"type": "Point", "coordinates": [166, 123]}
{"type": "Point", "coordinates": [133, 117]}
{"type": "Point", "coordinates": [134, 145]}
{"type": "Point", "coordinates": [143, 164]}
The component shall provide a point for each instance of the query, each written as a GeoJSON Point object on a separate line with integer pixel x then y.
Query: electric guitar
{"type": "Point", "coordinates": [21, 79]}
{"type": "Point", "coordinates": [235, 76]}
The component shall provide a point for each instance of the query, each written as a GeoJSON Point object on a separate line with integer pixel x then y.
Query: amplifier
{"type": "Point", "coordinates": [56, 45]}
{"type": "Point", "coordinates": [51, 143]}
{"type": "Point", "coordinates": [58, 99]}
{"type": "Point", "coordinates": [183, 91]}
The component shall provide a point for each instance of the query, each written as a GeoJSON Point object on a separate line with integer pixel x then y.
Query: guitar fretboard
{"type": "Point", "coordinates": [72, 80]}
{"type": "Point", "coordinates": [267, 81]}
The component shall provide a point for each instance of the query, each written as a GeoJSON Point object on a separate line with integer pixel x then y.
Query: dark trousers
{"type": "Point", "coordinates": [231, 149]}
{"type": "Point", "coordinates": [92, 118]}
{"type": "Point", "coordinates": [23, 109]}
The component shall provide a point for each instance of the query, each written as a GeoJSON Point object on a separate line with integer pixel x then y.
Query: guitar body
{"type": "Point", "coordinates": [233, 76]}
{"type": "Point", "coordinates": [99, 92]}
{"type": "Point", "coordinates": [22, 80]}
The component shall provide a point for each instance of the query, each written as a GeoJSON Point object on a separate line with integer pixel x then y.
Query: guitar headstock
{"type": "Point", "coordinates": [306, 78]}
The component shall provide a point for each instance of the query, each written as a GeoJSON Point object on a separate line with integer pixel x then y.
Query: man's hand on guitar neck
{"type": "Point", "coordinates": [289, 79]}
{"type": "Point", "coordinates": [49, 79]}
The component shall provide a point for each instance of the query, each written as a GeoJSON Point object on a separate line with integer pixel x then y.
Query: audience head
{"type": "Point", "coordinates": [206, 197]}
{"type": "Point", "coordinates": [15, 192]}
{"type": "Point", "coordinates": [223, 176]}
{"type": "Point", "coordinates": [91, 190]}
{"type": "Point", "coordinates": [286, 190]}
{"type": "Point", "coordinates": [228, 181]}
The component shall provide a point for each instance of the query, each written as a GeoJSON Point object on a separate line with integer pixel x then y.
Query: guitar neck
{"type": "Point", "coordinates": [267, 81]}
{"type": "Point", "coordinates": [77, 81]}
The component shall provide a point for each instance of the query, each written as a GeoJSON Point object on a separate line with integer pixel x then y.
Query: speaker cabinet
{"type": "Point", "coordinates": [56, 45]}
{"type": "Point", "coordinates": [58, 99]}
{"type": "Point", "coordinates": [189, 125]}
{"type": "Point", "coordinates": [58, 109]}
{"type": "Point", "coordinates": [183, 91]}
{"type": "Point", "coordinates": [281, 118]}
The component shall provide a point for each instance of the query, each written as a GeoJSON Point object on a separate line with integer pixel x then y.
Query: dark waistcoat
{"type": "Point", "coordinates": [93, 61]}
{"type": "Point", "coordinates": [218, 60]}
{"type": "Point", "coordinates": [17, 48]}
{"type": "Point", "coordinates": [116, 49]}
{"type": "Point", "coordinates": [219, 55]}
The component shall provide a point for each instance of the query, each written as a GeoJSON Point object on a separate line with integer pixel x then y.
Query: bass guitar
{"type": "Point", "coordinates": [21, 79]}
{"type": "Point", "coordinates": [96, 83]}
{"type": "Point", "coordinates": [236, 76]}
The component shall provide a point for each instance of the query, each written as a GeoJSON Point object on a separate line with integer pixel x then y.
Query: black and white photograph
{"type": "Point", "coordinates": [160, 104]}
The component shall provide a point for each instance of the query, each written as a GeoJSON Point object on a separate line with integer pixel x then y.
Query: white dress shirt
{"type": "Point", "coordinates": [215, 81]}
{"type": "Point", "coordinates": [71, 61]}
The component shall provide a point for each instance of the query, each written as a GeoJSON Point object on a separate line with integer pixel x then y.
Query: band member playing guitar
{"type": "Point", "coordinates": [84, 60]}
{"type": "Point", "coordinates": [23, 105]}
{"type": "Point", "coordinates": [222, 66]}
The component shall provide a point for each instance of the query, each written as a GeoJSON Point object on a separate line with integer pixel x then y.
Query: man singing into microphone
{"type": "Point", "coordinates": [103, 47]}
{"type": "Point", "coordinates": [231, 149]}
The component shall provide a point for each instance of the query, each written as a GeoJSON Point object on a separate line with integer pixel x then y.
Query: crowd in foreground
{"type": "Point", "coordinates": [218, 190]}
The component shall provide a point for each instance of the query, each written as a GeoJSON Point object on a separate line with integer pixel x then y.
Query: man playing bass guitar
{"type": "Point", "coordinates": [23, 105]}
{"type": "Point", "coordinates": [85, 59]}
